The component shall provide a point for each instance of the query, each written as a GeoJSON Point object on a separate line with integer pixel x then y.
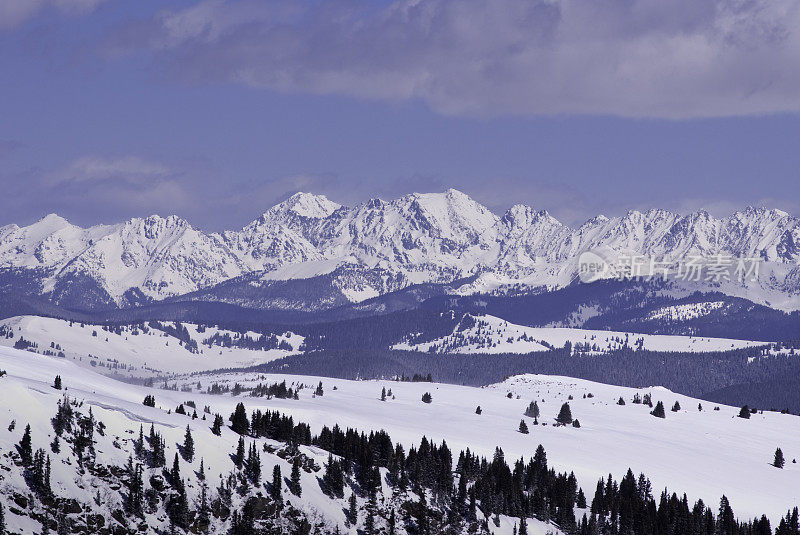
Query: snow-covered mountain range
{"type": "Point", "coordinates": [381, 246]}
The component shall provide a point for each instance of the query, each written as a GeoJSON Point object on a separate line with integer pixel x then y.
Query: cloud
{"type": "Point", "coordinates": [128, 169]}
{"type": "Point", "coordinates": [631, 58]}
{"type": "Point", "coordinates": [15, 12]}
{"type": "Point", "coordinates": [110, 188]}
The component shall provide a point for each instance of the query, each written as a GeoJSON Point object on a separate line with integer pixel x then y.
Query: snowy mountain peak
{"type": "Point", "coordinates": [52, 221]}
{"type": "Point", "coordinates": [308, 205]}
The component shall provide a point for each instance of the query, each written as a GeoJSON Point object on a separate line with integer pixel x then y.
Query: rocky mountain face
{"type": "Point", "coordinates": [374, 248]}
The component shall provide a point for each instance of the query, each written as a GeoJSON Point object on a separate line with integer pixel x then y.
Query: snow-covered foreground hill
{"type": "Point", "coordinates": [490, 334]}
{"type": "Point", "coordinates": [90, 490]}
{"type": "Point", "coordinates": [704, 453]}
{"type": "Point", "coordinates": [143, 350]}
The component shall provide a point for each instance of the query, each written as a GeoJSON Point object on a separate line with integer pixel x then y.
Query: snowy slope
{"type": "Point", "coordinates": [137, 352]}
{"type": "Point", "coordinates": [703, 453]}
{"type": "Point", "coordinates": [489, 334]}
{"type": "Point", "coordinates": [27, 396]}
{"type": "Point", "coordinates": [421, 237]}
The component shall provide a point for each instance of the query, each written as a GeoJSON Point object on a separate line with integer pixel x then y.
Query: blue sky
{"type": "Point", "coordinates": [215, 110]}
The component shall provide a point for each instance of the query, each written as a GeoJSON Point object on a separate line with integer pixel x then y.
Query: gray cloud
{"type": "Point", "coordinates": [95, 189]}
{"type": "Point", "coordinates": [632, 58]}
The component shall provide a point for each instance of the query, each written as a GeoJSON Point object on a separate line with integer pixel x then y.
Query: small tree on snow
{"type": "Point", "coordinates": [533, 410]}
{"type": "Point", "coordinates": [779, 461]}
{"type": "Point", "coordinates": [523, 427]}
{"type": "Point", "coordinates": [744, 412]}
{"type": "Point", "coordinates": [658, 412]}
{"type": "Point", "coordinates": [188, 445]}
{"type": "Point", "coordinates": [564, 415]}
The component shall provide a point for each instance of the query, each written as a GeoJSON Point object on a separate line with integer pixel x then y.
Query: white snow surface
{"type": "Point", "coordinates": [143, 354]}
{"type": "Point", "coordinates": [703, 453]}
{"type": "Point", "coordinates": [490, 334]}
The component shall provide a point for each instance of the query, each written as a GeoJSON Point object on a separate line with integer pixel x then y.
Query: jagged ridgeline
{"type": "Point", "coordinates": [310, 254]}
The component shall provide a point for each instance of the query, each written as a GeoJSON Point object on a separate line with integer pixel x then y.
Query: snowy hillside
{"type": "Point", "coordinates": [144, 350]}
{"type": "Point", "coordinates": [489, 334]}
{"type": "Point", "coordinates": [700, 452]}
{"type": "Point", "coordinates": [381, 246]}
{"type": "Point", "coordinates": [690, 450]}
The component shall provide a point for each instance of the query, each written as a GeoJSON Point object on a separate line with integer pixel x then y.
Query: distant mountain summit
{"type": "Point", "coordinates": [376, 247]}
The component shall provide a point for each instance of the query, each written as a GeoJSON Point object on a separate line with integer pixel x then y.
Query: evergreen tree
{"type": "Point", "coordinates": [581, 501]}
{"type": "Point", "coordinates": [216, 428]}
{"type": "Point", "coordinates": [427, 398]}
{"type": "Point", "coordinates": [238, 458]}
{"type": "Point", "coordinates": [47, 490]}
{"type": "Point", "coordinates": [523, 526]}
{"type": "Point", "coordinates": [319, 391]}
{"type": "Point", "coordinates": [253, 464]}
{"type": "Point", "coordinates": [744, 412]}
{"type": "Point", "coordinates": [658, 412]}
{"type": "Point", "coordinates": [478, 410]}
{"type": "Point", "coordinates": [239, 422]}
{"type": "Point", "coordinates": [676, 407]}
{"type": "Point", "coordinates": [201, 473]}
{"type": "Point", "coordinates": [175, 473]}
{"type": "Point", "coordinates": [334, 477]}
{"type": "Point", "coordinates": [57, 382]}
{"type": "Point", "coordinates": [24, 447]}
{"type": "Point", "coordinates": [533, 410]}
{"type": "Point", "coordinates": [369, 521]}
{"type": "Point", "coordinates": [779, 461]}
{"type": "Point", "coordinates": [188, 445]}
{"type": "Point", "coordinates": [523, 427]}
{"type": "Point", "coordinates": [139, 445]}
{"type": "Point", "coordinates": [620, 401]}
{"type": "Point", "coordinates": [204, 510]}
{"type": "Point", "coordinates": [352, 511]}
{"type": "Point", "coordinates": [149, 400]}
{"type": "Point", "coordinates": [564, 415]}
{"type": "Point", "coordinates": [2, 520]}
{"type": "Point", "coordinates": [296, 489]}
{"type": "Point", "coordinates": [135, 499]}
{"type": "Point", "coordinates": [277, 481]}
{"type": "Point", "coordinates": [159, 450]}
{"type": "Point", "coordinates": [383, 394]}
{"type": "Point", "coordinates": [392, 523]}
